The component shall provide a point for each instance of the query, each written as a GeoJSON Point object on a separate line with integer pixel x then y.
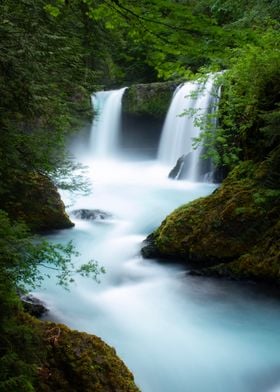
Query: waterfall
{"type": "Point", "coordinates": [164, 323]}
{"type": "Point", "coordinates": [179, 130]}
{"type": "Point", "coordinates": [106, 125]}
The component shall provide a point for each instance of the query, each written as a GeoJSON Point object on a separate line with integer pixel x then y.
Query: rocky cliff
{"type": "Point", "coordinates": [148, 99]}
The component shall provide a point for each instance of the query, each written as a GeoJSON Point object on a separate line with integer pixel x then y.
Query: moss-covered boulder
{"type": "Point", "coordinates": [76, 361]}
{"type": "Point", "coordinates": [151, 99]}
{"type": "Point", "coordinates": [53, 358]}
{"type": "Point", "coordinates": [37, 202]}
{"type": "Point", "coordinates": [236, 229]}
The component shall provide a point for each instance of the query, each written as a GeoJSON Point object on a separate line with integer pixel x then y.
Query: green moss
{"type": "Point", "coordinates": [66, 360]}
{"type": "Point", "coordinates": [80, 362]}
{"type": "Point", "coordinates": [80, 107]}
{"type": "Point", "coordinates": [261, 263]}
{"type": "Point", "coordinates": [148, 99]}
{"type": "Point", "coordinates": [37, 202]}
{"type": "Point", "coordinates": [234, 228]}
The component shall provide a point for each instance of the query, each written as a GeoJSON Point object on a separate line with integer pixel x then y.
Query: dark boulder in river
{"type": "Point", "coordinates": [33, 305]}
{"type": "Point", "coordinates": [181, 170]}
{"type": "Point", "coordinates": [91, 214]}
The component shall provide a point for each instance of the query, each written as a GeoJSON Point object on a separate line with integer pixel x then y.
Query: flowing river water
{"type": "Point", "coordinates": [175, 332]}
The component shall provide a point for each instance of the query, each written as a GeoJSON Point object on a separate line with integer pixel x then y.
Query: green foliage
{"type": "Point", "coordinates": [165, 35]}
{"type": "Point", "coordinates": [26, 261]}
{"type": "Point", "coordinates": [272, 179]}
{"type": "Point", "coordinates": [248, 113]}
{"type": "Point", "coordinates": [174, 37]}
{"type": "Point", "coordinates": [271, 127]}
{"type": "Point", "coordinates": [77, 182]}
{"type": "Point", "coordinates": [44, 81]}
{"type": "Point", "coordinates": [251, 96]}
{"type": "Point", "coordinates": [15, 374]}
{"type": "Point", "coordinates": [46, 75]}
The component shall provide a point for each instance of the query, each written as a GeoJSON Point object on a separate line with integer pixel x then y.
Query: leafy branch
{"type": "Point", "coordinates": [23, 259]}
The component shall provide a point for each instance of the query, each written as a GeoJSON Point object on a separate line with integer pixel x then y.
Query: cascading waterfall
{"type": "Point", "coordinates": [213, 121]}
{"type": "Point", "coordinates": [176, 332]}
{"type": "Point", "coordinates": [180, 130]}
{"type": "Point", "coordinates": [106, 125]}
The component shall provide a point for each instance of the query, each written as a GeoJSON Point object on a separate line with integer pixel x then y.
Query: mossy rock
{"type": "Point", "coordinates": [64, 360]}
{"type": "Point", "coordinates": [37, 202]}
{"type": "Point", "coordinates": [230, 228]}
{"type": "Point", "coordinates": [151, 99]}
{"type": "Point", "coordinates": [80, 362]}
{"type": "Point", "coordinates": [80, 107]}
{"type": "Point", "coordinates": [261, 263]}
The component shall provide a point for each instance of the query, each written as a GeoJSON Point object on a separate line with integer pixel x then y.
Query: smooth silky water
{"type": "Point", "coordinates": [175, 332]}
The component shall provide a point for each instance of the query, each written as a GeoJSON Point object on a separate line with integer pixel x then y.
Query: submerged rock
{"type": "Point", "coordinates": [233, 232]}
{"type": "Point", "coordinates": [91, 214]}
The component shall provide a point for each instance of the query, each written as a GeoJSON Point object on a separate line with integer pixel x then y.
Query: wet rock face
{"type": "Point", "coordinates": [207, 172]}
{"type": "Point", "coordinates": [33, 305]}
{"type": "Point", "coordinates": [87, 214]}
{"type": "Point", "coordinates": [151, 99]}
{"type": "Point", "coordinates": [149, 249]}
{"type": "Point", "coordinates": [144, 107]}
